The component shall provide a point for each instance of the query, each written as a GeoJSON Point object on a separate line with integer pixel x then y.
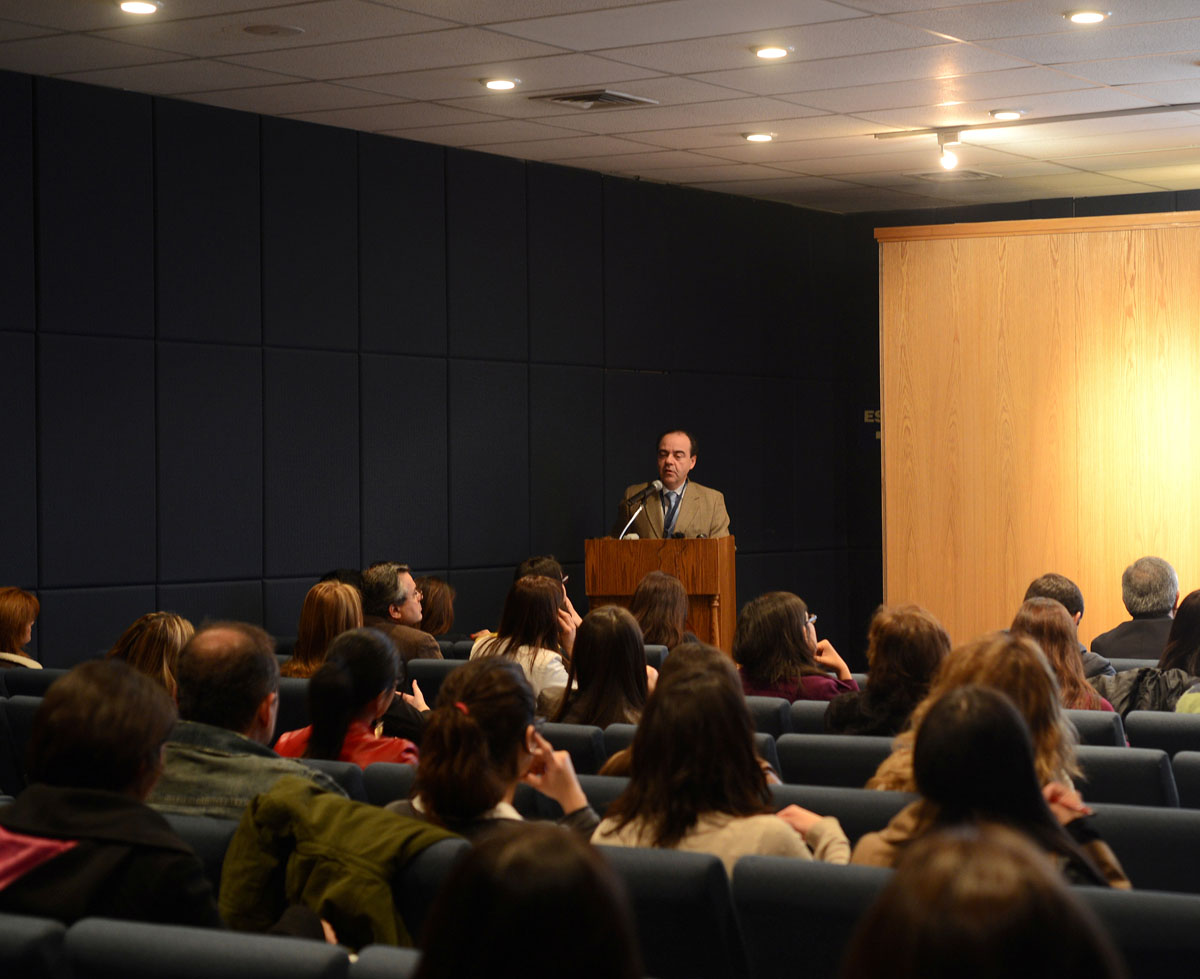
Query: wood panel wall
{"type": "Point", "coordinates": [1040, 396]}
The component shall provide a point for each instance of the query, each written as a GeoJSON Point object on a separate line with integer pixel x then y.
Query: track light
{"type": "Point", "coordinates": [949, 159]}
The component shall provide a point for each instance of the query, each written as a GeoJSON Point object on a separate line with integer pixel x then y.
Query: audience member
{"type": "Point", "coordinates": [1048, 623]}
{"type": "Point", "coordinates": [346, 698]}
{"type": "Point", "coordinates": [905, 647]}
{"type": "Point", "coordinates": [18, 612]}
{"type": "Point", "coordinates": [80, 841]}
{"type": "Point", "coordinates": [479, 744]}
{"type": "Point", "coordinates": [696, 783]}
{"type": "Point", "coordinates": [437, 608]}
{"type": "Point", "coordinates": [1150, 591]}
{"type": "Point", "coordinates": [1016, 667]}
{"type": "Point", "coordinates": [1183, 651]}
{"type": "Point", "coordinates": [536, 631]}
{"type": "Point", "coordinates": [391, 602]}
{"type": "Point", "coordinates": [217, 758]}
{"type": "Point", "coordinates": [547, 566]}
{"type": "Point", "coordinates": [775, 645]}
{"type": "Point", "coordinates": [660, 605]}
{"type": "Point", "coordinates": [973, 762]}
{"type": "Point", "coordinates": [329, 609]}
{"type": "Point", "coordinates": [152, 644]}
{"type": "Point", "coordinates": [1063, 589]}
{"type": "Point", "coordinates": [979, 901]}
{"type": "Point", "coordinates": [608, 681]}
{"type": "Point", "coordinates": [520, 875]}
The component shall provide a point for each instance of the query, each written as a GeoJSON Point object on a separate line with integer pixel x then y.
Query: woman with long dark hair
{"type": "Point", "coordinates": [536, 632]}
{"type": "Point", "coordinates": [660, 605]}
{"type": "Point", "coordinates": [1050, 625]}
{"type": "Point", "coordinates": [608, 681]}
{"type": "Point", "coordinates": [347, 697]}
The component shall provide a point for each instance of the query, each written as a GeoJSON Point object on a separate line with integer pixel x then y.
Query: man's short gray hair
{"type": "Point", "coordinates": [1149, 586]}
{"type": "Point", "coordinates": [381, 588]}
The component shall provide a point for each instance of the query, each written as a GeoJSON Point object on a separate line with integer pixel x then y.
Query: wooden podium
{"type": "Point", "coordinates": [614, 568]}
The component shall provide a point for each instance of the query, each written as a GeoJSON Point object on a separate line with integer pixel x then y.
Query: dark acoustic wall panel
{"type": "Point", "coordinates": [480, 598]}
{"type": "Point", "coordinates": [95, 200]}
{"type": "Point", "coordinates": [96, 445]}
{"type": "Point", "coordinates": [818, 577]}
{"type": "Point", "coordinates": [282, 600]}
{"type": "Point", "coordinates": [310, 235]}
{"type": "Point", "coordinates": [404, 460]}
{"type": "Point", "coordinates": [489, 463]}
{"type": "Point", "coordinates": [229, 601]}
{"type": "Point", "coordinates": [486, 263]}
{"type": "Point", "coordinates": [18, 493]}
{"type": "Point", "coordinates": [566, 284]}
{"type": "Point", "coordinates": [310, 425]}
{"type": "Point", "coordinates": [16, 201]}
{"type": "Point", "coordinates": [566, 438]}
{"type": "Point", "coordinates": [207, 212]}
{"type": "Point", "coordinates": [78, 624]}
{"type": "Point", "coordinates": [402, 245]}
{"type": "Point", "coordinates": [210, 462]}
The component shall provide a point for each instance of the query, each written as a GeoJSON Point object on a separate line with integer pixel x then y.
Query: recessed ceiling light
{"type": "Point", "coordinates": [1085, 16]}
{"type": "Point", "coordinates": [140, 6]}
{"type": "Point", "coordinates": [758, 137]}
{"type": "Point", "coordinates": [1006, 115]}
{"type": "Point", "coordinates": [502, 84]}
{"type": "Point", "coordinates": [772, 51]}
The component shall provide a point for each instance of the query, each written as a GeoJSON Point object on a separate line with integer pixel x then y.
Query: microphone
{"type": "Point", "coordinates": [653, 488]}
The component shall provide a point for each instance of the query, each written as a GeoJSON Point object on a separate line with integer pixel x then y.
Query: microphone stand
{"type": "Point", "coordinates": [640, 508]}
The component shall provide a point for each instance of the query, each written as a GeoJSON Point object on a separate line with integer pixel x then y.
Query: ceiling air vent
{"type": "Point", "coordinates": [953, 176]}
{"type": "Point", "coordinates": [603, 99]}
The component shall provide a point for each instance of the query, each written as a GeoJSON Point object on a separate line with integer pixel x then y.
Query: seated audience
{"type": "Point", "coordinates": [1016, 667]}
{"type": "Point", "coordinates": [218, 757]}
{"type": "Point", "coordinates": [329, 609]}
{"type": "Point", "coordinates": [479, 744]}
{"type": "Point", "coordinates": [536, 632]}
{"type": "Point", "coordinates": [80, 841]}
{"type": "Point", "coordinates": [905, 647]}
{"type": "Point", "coordinates": [978, 901]}
{"type": "Point", "coordinates": [529, 874]}
{"type": "Point", "coordinates": [346, 698]}
{"type": "Point", "coordinates": [437, 609]}
{"type": "Point", "coordinates": [547, 566]}
{"type": "Point", "coordinates": [18, 612]}
{"type": "Point", "coordinates": [1150, 591]}
{"type": "Point", "coordinates": [608, 681]}
{"type": "Point", "coordinates": [391, 603]}
{"type": "Point", "coordinates": [660, 605]}
{"type": "Point", "coordinates": [973, 763]}
{"type": "Point", "coordinates": [696, 783]}
{"type": "Point", "coordinates": [1049, 624]}
{"type": "Point", "coordinates": [152, 644]}
{"type": "Point", "coordinates": [775, 645]}
{"type": "Point", "coordinates": [1063, 589]}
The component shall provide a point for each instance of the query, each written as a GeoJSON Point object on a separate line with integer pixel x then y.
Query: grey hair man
{"type": "Point", "coordinates": [218, 756]}
{"type": "Point", "coordinates": [1064, 591]}
{"type": "Point", "coordinates": [392, 604]}
{"type": "Point", "coordinates": [1150, 591]}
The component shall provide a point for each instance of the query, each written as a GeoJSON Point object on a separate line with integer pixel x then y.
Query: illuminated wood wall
{"type": "Point", "coordinates": [1041, 397]}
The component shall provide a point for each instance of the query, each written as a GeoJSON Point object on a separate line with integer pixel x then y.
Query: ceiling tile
{"type": "Point", "coordinates": [1057, 148]}
{"type": "Point", "coordinates": [1125, 71]}
{"type": "Point", "coordinates": [735, 112]}
{"type": "Point", "coordinates": [176, 77]}
{"type": "Point", "coordinates": [566, 150]}
{"type": "Point", "coordinates": [1023, 17]}
{"type": "Point", "coordinates": [1174, 156]}
{"type": "Point", "coordinates": [1110, 42]}
{"type": "Point", "coordinates": [641, 161]}
{"type": "Point", "coordinates": [279, 100]}
{"type": "Point", "coordinates": [326, 22]}
{"type": "Point", "coordinates": [60, 53]}
{"type": "Point", "coordinates": [10, 30]}
{"type": "Point", "coordinates": [435, 49]}
{"type": "Point", "coordinates": [474, 12]}
{"type": "Point", "coordinates": [788, 131]}
{"type": "Point", "coordinates": [715, 171]}
{"type": "Point", "coordinates": [1166, 93]}
{"type": "Point", "coordinates": [1183, 176]}
{"type": "Point", "coordinates": [384, 118]}
{"type": "Point", "coordinates": [477, 133]}
{"type": "Point", "coordinates": [94, 15]}
{"type": "Point", "coordinates": [672, 20]}
{"type": "Point", "coordinates": [939, 61]}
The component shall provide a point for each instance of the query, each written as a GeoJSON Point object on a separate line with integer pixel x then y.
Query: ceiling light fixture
{"type": "Point", "coordinates": [501, 84]}
{"type": "Point", "coordinates": [949, 159]}
{"type": "Point", "coordinates": [1085, 16]}
{"type": "Point", "coordinates": [772, 51]}
{"type": "Point", "coordinates": [1006, 115]}
{"type": "Point", "coordinates": [139, 6]}
{"type": "Point", "coordinates": [758, 137]}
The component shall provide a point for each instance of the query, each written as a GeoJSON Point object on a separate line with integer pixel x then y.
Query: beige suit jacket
{"type": "Point", "coordinates": [701, 513]}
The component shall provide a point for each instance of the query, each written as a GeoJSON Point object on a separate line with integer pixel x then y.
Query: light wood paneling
{"type": "Point", "coordinates": [1039, 392]}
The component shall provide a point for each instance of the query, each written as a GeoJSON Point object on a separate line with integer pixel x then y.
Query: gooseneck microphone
{"type": "Point", "coordinates": [639, 498]}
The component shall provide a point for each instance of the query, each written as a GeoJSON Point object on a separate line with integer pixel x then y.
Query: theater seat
{"type": "Point", "coordinates": [31, 683]}
{"type": "Point", "coordinates": [831, 759]}
{"type": "Point", "coordinates": [386, 782]}
{"type": "Point", "coordinates": [32, 948]}
{"type": "Point", "coordinates": [771, 715]}
{"type": "Point", "coordinates": [347, 774]}
{"type": "Point", "coordinates": [1099, 727]}
{"type": "Point", "coordinates": [1127, 776]}
{"type": "Point", "coordinates": [101, 949]}
{"type": "Point", "coordinates": [385, 962]}
{"type": "Point", "coordinates": [1186, 766]}
{"type": "Point", "coordinates": [858, 810]}
{"type": "Point", "coordinates": [19, 712]}
{"type": "Point", "coordinates": [655, 654]}
{"type": "Point", "coordinates": [1158, 934]}
{"type": "Point", "coordinates": [209, 837]}
{"type": "Point", "coordinates": [1159, 847]}
{"type": "Point", "coordinates": [798, 916]}
{"type": "Point", "coordinates": [429, 674]}
{"type": "Point", "coordinates": [422, 877]}
{"type": "Point", "coordinates": [683, 910]}
{"type": "Point", "coordinates": [1165, 730]}
{"type": "Point", "coordinates": [584, 743]}
{"type": "Point", "coordinates": [618, 737]}
{"type": "Point", "coordinates": [293, 704]}
{"type": "Point", "coordinates": [600, 790]}
{"type": "Point", "coordinates": [764, 744]}
{"type": "Point", "coordinates": [12, 769]}
{"type": "Point", "coordinates": [808, 716]}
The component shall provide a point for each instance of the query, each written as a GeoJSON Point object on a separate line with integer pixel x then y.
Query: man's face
{"type": "Point", "coordinates": [675, 459]}
{"type": "Point", "coordinates": [410, 611]}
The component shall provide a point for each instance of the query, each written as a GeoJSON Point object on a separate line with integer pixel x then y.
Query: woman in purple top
{"type": "Point", "coordinates": [777, 652]}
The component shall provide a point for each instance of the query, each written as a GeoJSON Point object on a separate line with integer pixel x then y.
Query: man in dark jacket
{"type": "Point", "coordinates": [1150, 591]}
{"type": "Point", "coordinates": [1064, 591]}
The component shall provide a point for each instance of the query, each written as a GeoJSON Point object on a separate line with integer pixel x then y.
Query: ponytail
{"type": "Point", "coordinates": [359, 666]}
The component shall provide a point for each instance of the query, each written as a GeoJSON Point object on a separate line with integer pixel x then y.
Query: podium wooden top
{"type": "Point", "coordinates": [614, 567]}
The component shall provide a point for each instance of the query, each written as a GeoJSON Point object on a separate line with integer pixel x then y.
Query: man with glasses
{"type": "Point", "coordinates": [392, 604]}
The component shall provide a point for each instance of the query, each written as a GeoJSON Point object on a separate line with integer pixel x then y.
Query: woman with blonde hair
{"type": "Point", "coordinates": [1015, 666]}
{"type": "Point", "coordinates": [330, 608]}
{"type": "Point", "coordinates": [151, 646]}
{"type": "Point", "coordinates": [1051, 626]}
{"type": "Point", "coordinates": [18, 612]}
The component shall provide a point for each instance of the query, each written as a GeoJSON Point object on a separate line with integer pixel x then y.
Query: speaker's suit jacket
{"type": "Point", "coordinates": [701, 513]}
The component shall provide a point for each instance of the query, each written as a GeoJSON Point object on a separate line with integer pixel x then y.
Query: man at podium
{"type": "Point", "coordinates": [678, 507]}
